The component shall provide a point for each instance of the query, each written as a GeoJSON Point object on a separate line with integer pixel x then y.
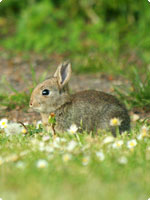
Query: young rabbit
{"type": "Point", "coordinates": [94, 108]}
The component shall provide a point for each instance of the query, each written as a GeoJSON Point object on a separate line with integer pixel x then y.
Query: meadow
{"type": "Point", "coordinates": [73, 165]}
{"type": "Point", "coordinates": [104, 40]}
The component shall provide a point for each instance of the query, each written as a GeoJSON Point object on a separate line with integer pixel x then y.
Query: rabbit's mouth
{"type": "Point", "coordinates": [34, 106]}
{"type": "Point", "coordinates": [37, 109]}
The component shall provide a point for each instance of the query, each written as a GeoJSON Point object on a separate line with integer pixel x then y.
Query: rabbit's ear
{"type": "Point", "coordinates": [63, 73]}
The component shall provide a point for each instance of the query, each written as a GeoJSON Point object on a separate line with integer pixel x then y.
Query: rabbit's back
{"type": "Point", "coordinates": [94, 109]}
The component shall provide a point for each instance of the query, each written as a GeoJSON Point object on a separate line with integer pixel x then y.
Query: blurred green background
{"type": "Point", "coordinates": [111, 36]}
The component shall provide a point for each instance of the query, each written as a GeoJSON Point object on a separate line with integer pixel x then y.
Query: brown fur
{"type": "Point", "coordinates": [94, 108]}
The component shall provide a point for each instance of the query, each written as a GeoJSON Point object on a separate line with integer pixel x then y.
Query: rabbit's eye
{"type": "Point", "coordinates": [45, 92]}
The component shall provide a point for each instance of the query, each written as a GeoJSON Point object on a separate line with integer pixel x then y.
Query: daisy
{"type": "Point", "coordinates": [73, 129]}
{"type": "Point", "coordinates": [66, 157]}
{"type": "Point", "coordinates": [144, 130]}
{"type": "Point", "coordinates": [49, 149]}
{"type": "Point", "coordinates": [13, 128]}
{"type": "Point", "coordinates": [12, 158]}
{"type": "Point", "coordinates": [24, 131]}
{"type": "Point", "coordinates": [131, 143]}
{"type": "Point", "coordinates": [56, 142]}
{"type": "Point", "coordinates": [115, 122]}
{"type": "Point", "coordinates": [71, 145]}
{"type": "Point", "coordinates": [117, 144]}
{"type": "Point", "coordinates": [20, 165]}
{"type": "Point", "coordinates": [135, 117]}
{"type": "Point", "coordinates": [1, 160]}
{"type": "Point", "coordinates": [26, 123]}
{"type": "Point", "coordinates": [41, 163]}
{"type": "Point", "coordinates": [100, 155]}
{"type": "Point", "coordinates": [140, 137]}
{"type": "Point", "coordinates": [46, 138]}
{"type": "Point", "coordinates": [34, 141]}
{"type": "Point", "coordinates": [108, 139]}
{"type": "Point", "coordinates": [63, 140]}
{"type": "Point", "coordinates": [41, 146]}
{"type": "Point", "coordinates": [3, 123]}
{"type": "Point", "coordinates": [85, 160]}
{"type": "Point", "coordinates": [123, 160]}
{"type": "Point", "coordinates": [38, 124]}
{"type": "Point", "coordinates": [24, 153]}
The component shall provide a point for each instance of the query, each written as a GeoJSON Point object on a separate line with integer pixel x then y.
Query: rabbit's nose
{"type": "Point", "coordinates": [31, 104]}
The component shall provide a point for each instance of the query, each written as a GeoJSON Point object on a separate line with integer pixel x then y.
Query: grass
{"type": "Point", "coordinates": [138, 95]}
{"type": "Point", "coordinates": [108, 46]}
{"type": "Point", "coordinates": [98, 36]}
{"type": "Point", "coordinates": [81, 176]}
{"type": "Point", "coordinates": [135, 95]}
{"type": "Point", "coordinates": [18, 100]}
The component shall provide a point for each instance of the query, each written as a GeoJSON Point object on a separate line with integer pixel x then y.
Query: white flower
{"type": "Point", "coordinates": [117, 144]}
{"type": "Point", "coordinates": [140, 137]}
{"type": "Point", "coordinates": [63, 140]}
{"type": "Point", "coordinates": [23, 153]}
{"type": "Point", "coordinates": [148, 148]}
{"type": "Point", "coordinates": [56, 143]}
{"type": "Point", "coordinates": [41, 163]}
{"type": "Point", "coordinates": [11, 158]}
{"type": "Point", "coordinates": [34, 141]}
{"type": "Point", "coordinates": [71, 145]}
{"type": "Point", "coordinates": [1, 1]}
{"type": "Point", "coordinates": [123, 160]}
{"type": "Point", "coordinates": [73, 129]}
{"type": "Point", "coordinates": [115, 122]}
{"type": "Point", "coordinates": [13, 128]}
{"type": "Point", "coordinates": [108, 139]}
{"type": "Point", "coordinates": [20, 165]}
{"type": "Point", "coordinates": [1, 160]}
{"type": "Point", "coordinates": [50, 157]}
{"type": "Point", "coordinates": [57, 139]}
{"type": "Point", "coordinates": [49, 149]}
{"type": "Point", "coordinates": [3, 123]}
{"type": "Point", "coordinates": [26, 123]}
{"type": "Point", "coordinates": [46, 138]}
{"type": "Point", "coordinates": [85, 160]}
{"type": "Point", "coordinates": [66, 157]}
{"type": "Point", "coordinates": [135, 117]}
{"type": "Point", "coordinates": [24, 131]}
{"type": "Point", "coordinates": [86, 147]}
{"type": "Point", "coordinates": [100, 155]}
{"type": "Point", "coordinates": [131, 143]}
{"type": "Point", "coordinates": [38, 124]}
{"type": "Point", "coordinates": [41, 146]}
{"type": "Point", "coordinates": [143, 132]}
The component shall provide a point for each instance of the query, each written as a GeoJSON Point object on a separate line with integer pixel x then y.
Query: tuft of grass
{"type": "Point", "coordinates": [138, 94]}
{"type": "Point", "coordinates": [18, 100]}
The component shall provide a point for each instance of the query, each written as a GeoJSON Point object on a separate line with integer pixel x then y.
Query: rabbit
{"type": "Point", "coordinates": [93, 108]}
